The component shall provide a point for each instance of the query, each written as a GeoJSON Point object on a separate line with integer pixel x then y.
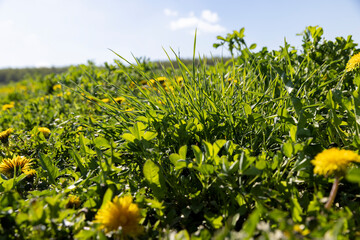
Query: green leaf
{"type": "Point", "coordinates": [150, 135]}
{"type": "Point", "coordinates": [138, 130]}
{"type": "Point", "coordinates": [293, 130]}
{"type": "Point", "coordinates": [107, 196]}
{"type": "Point", "coordinates": [101, 143]}
{"type": "Point", "coordinates": [128, 137]}
{"type": "Point", "coordinates": [182, 235]}
{"type": "Point", "coordinates": [288, 149]}
{"type": "Point", "coordinates": [218, 145]}
{"type": "Point", "coordinates": [75, 155]}
{"type": "Point", "coordinates": [296, 210]}
{"type": "Point", "coordinates": [215, 221]}
{"type": "Point", "coordinates": [198, 154]}
{"type": "Point", "coordinates": [209, 149]}
{"type": "Point", "coordinates": [49, 167]}
{"type": "Point", "coordinates": [151, 172]}
{"type": "Point", "coordinates": [249, 226]}
{"type": "Point", "coordinates": [353, 175]}
{"type": "Point", "coordinates": [247, 109]}
{"type": "Point", "coordinates": [152, 175]}
{"type": "Point", "coordinates": [174, 157]}
{"type": "Point", "coordinates": [183, 151]}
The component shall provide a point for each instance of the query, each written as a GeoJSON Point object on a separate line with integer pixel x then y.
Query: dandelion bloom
{"type": "Point", "coordinates": [353, 63]}
{"type": "Point", "coordinates": [45, 131]}
{"type": "Point", "coordinates": [162, 80]}
{"type": "Point", "coordinates": [56, 87]}
{"type": "Point", "coordinates": [4, 135]}
{"type": "Point", "coordinates": [334, 160]}
{"type": "Point", "coordinates": [119, 99]}
{"type": "Point", "coordinates": [7, 106]}
{"type": "Point", "coordinates": [20, 163]}
{"type": "Point", "coordinates": [73, 202]}
{"type": "Point", "coordinates": [120, 213]}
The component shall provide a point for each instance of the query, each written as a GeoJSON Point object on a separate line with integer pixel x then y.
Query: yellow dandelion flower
{"type": "Point", "coordinates": [91, 98]}
{"type": "Point", "coordinates": [120, 213]}
{"type": "Point", "coordinates": [162, 80]}
{"type": "Point", "coordinates": [132, 85]}
{"type": "Point", "coordinates": [30, 172]}
{"type": "Point", "coordinates": [7, 106]}
{"type": "Point", "coordinates": [353, 63]}
{"type": "Point", "coordinates": [56, 87]}
{"type": "Point", "coordinates": [232, 80]}
{"type": "Point", "coordinates": [73, 202]}
{"type": "Point", "coordinates": [45, 131]}
{"type": "Point", "coordinates": [4, 135]}
{"type": "Point", "coordinates": [143, 82]}
{"type": "Point", "coordinates": [20, 163]}
{"type": "Point", "coordinates": [334, 160]}
{"type": "Point", "coordinates": [169, 88]}
{"type": "Point", "coordinates": [301, 229]}
{"type": "Point", "coordinates": [105, 100]}
{"type": "Point", "coordinates": [179, 79]}
{"type": "Point", "coordinates": [119, 99]}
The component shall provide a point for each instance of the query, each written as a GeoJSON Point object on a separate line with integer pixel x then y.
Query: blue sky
{"type": "Point", "coordinates": [63, 32]}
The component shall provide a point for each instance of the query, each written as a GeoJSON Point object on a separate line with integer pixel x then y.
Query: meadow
{"type": "Point", "coordinates": [263, 145]}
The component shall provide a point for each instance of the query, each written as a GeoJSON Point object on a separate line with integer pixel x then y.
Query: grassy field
{"type": "Point", "coordinates": [260, 146]}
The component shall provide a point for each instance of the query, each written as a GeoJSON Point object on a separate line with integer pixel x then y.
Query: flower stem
{"type": "Point", "coordinates": [333, 192]}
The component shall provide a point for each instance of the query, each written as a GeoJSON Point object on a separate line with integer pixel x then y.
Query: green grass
{"type": "Point", "coordinates": [217, 150]}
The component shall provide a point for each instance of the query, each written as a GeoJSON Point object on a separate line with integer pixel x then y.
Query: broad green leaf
{"type": "Point", "coordinates": [128, 137]}
{"type": "Point", "coordinates": [152, 175]}
{"type": "Point", "coordinates": [296, 210]}
{"type": "Point", "coordinates": [101, 143]}
{"type": "Point", "coordinates": [249, 226]}
{"type": "Point", "coordinates": [198, 154]}
{"type": "Point", "coordinates": [174, 157]}
{"type": "Point", "coordinates": [353, 175]}
{"type": "Point", "coordinates": [293, 130]}
{"type": "Point", "coordinates": [138, 130]}
{"type": "Point", "coordinates": [260, 164]}
{"type": "Point", "coordinates": [150, 135]}
{"type": "Point", "coordinates": [182, 235]}
{"type": "Point", "coordinates": [183, 151]}
{"type": "Point", "coordinates": [288, 149]}
{"type": "Point", "coordinates": [107, 196]}
{"type": "Point", "coordinates": [209, 149]}
{"type": "Point", "coordinates": [215, 221]}
{"type": "Point", "coordinates": [252, 46]}
{"type": "Point", "coordinates": [151, 172]}
{"type": "Point", "coordinates": [217, 146]}
{"type": "Point", "coordinates": [247, 109]}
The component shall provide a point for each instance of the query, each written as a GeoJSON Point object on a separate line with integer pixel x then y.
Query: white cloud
{"type": "Point", "coordinates": [207, 23]}
{"type": "Point", "coordinates": [209, 16]}
{"type": "Point", "coordinates": [170, 13]}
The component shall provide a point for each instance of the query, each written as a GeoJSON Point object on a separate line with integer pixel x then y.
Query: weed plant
{"type": "Point", "coordinates": [220, 151]}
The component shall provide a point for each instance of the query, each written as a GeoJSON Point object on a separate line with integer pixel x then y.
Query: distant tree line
{"type": "Point", "coordinates": [8, 75]}
{"type": "Point", "coordinates": [17, 74]}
